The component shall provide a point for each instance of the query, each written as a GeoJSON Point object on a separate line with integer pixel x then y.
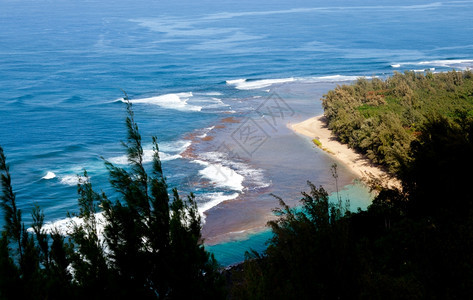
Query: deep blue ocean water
{"type": "Point", "coordinates": [187, 65]}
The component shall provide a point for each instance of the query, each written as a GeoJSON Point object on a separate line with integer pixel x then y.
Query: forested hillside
{"type": "Point", "coordinates": [380, 118]}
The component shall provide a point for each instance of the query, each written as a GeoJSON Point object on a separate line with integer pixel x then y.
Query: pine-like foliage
{"type": "Point", "coordinates": [139, 245]}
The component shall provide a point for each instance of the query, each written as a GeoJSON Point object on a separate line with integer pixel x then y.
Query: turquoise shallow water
{"type": "Point", "coordinates": [233, 252]}
{"type": "Point", "coordinates": [188, 65]}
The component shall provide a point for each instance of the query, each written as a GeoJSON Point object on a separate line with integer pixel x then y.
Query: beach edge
{"type": "Point", "coordinates": [317, 130]}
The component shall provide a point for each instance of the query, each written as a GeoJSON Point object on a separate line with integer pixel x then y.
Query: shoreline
{"type": "Point", "coordinates": [316, 128]}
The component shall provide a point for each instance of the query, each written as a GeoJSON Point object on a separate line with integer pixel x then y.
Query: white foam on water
{"type": "Point", "coordinates": [396, 65]}
{"type": "Point", "coordinates": [208, 102]}
{"type": "Point", "coordinates": [222, 176]}
{"type": "Point", "coordinates": [230, 172]}
{"type": "Point", "coordinates": [147, 157]}
{"type": "Point", "coordinates": [235, 81]}
{"type": "Point", "coordinates": [174, 146]}
{"type": "Point", "coordinates": [205, 132]}
{"type": "Point", "coordinates": [49, 175]}
{"type": "Point", "coordinates": [244, 84]}
{"type": "Point", "coordinates": [173, 151]}
{"type": "Point", "coordinates": [446, 62]}
{"type": "Point", "coordinates": [71, 180]}
{"type": "Point", "coordinates": [462, 64]}
{"type": "Point", "coordinates": [211, 200]}
{"type": "Point", "coordinates": [65, 226]}
{"type": "Point", "coordinates": [210, 94]}
{"type": "Point", "coordinates": [330, 78]}
{"type": "Point", "coordinates": [177, 101]}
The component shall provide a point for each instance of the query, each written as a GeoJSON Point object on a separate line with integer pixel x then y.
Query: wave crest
{"type": "Point", "coordinates": [177, 101]}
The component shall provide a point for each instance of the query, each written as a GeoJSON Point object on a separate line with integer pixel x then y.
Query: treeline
{"type": "Point", "coordinates": [143, 247]}
{"type": "Point", "coordinates": [411, 243]}
{"type": "Point", "coordinates": [380, 118]}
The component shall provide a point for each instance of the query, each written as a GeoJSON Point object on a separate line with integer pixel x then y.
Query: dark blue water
{"type": "Point", "coordinates": [63, 66]}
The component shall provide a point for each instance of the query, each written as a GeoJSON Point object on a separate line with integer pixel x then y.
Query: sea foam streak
{"type": "Point", "coordinates": [147, 157]}
{"type": "Point", "coordinates": [176, 148]}
{"type": "Point", "coordinates": [213, 199]}
{"type": "Point", "coordinates": [462, 64]}
{"type": "Point", "coordinates": [65, 226]}
{"type": "Point", "coordinates": [176, 101]}
{"type": "Point", "coordinates": [329, 78]}
{"type": "Point", "coordinates": [244, 84]}
{"type": "Point", "coordinates": [205, 132]}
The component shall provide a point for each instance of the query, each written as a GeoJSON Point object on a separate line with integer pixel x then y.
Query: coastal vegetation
{"type": "Point", "coordinates": [140, 245]}
{"type": "Point", "coordinates": [380, 118]}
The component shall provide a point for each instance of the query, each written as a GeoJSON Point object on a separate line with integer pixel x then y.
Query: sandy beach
{"type": "Point", "coordinates": [316, 128]}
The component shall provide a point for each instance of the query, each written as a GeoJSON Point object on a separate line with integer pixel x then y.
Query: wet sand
{"type": "Point", "coordinates": [316, 128]}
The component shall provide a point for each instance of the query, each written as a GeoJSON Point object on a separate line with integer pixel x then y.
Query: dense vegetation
{"type": "Point", "coordinates": [414, 243]}
{"type": "Point", "coordinates": [381, 118]}
{"type": "Point", "coordinates": [149, 248]}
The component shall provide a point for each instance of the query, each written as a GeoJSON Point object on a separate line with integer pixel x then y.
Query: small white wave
{"type": "Point", "coordinates": [208, 102]}
{"type": "Point", "coordinates": [214, 199]}
{"type": "Point", "coordinates": [49, 175]}
{"type": "Point", "coordinates": [173, 151]}
{"type": "Point", "coordinates": [330, 78]}
{"type": "Point", "coordinates": [176, 101]}
{"type": "Point", "coordinates": [175, 146]}
{"type": "Point", "coordinates": [221, 176]}
{"type": "Point", "coordinates": [253, 176]}
{"type": "Point", "coordinates": [244, 84]}
{"type": "Point", "coordinates": [447, 62]}
{"type": "Point", "coordinates": [71, 180]}
{"type": "Point", "coordinates": [396, 65]}
{"type": "Point", "coordinates": [461, 64]}
{"type": "Point", "coordinates": [235, 81]}
{"type": "Point", "coordinates": [211, 94]}
{"type": "Point", "coordinates": [147, 157]}
{"type": "Point", "coordinates": [165, 157]}
{"type": "Point", "coordinates": [205, 132]}
{"type": "Point", "coordinates": [65, 226]}
{"type": "Point", "coordinates": [119, 160]}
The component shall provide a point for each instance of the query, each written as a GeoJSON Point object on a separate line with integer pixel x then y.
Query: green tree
{"type": "Point", "coordinates": [139, 245]}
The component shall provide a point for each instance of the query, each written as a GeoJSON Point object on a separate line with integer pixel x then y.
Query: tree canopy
{"type": "Point", "coordinates": [381, 118]}
{"type": "Point", "coordinates": [141, 245]}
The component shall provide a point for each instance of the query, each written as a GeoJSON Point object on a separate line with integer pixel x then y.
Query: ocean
{"type": "Point", "coordinates": [216, 81]}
